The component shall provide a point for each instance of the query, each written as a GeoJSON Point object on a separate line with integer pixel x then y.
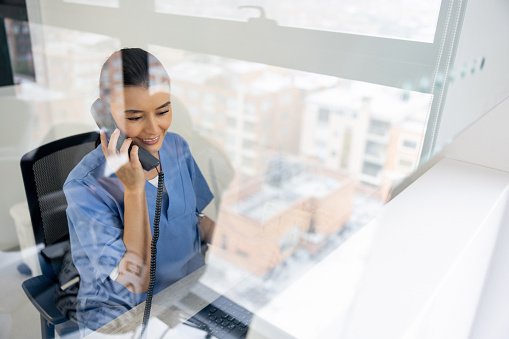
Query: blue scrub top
{"type": "Point", "coordinates": [95, 214]}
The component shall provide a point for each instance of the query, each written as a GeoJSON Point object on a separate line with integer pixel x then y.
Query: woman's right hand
{"type": "Point", "coordinates": [128, 169]}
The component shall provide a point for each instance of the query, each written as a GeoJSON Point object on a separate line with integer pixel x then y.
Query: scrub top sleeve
{"type": "Point", "coordinates": [95, 228]}
{"type": "Point", "coordinates": [201, 189]}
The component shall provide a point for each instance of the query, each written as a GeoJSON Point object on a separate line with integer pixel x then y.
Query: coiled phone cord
{"type": "Point", "coordinates": [153, 253]}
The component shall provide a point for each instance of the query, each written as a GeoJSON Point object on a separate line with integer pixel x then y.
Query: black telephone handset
{"type": "Point", "coordinates": [102, 116]}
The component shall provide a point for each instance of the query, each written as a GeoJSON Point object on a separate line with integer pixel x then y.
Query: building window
{"type": "Point", "coordinates": [242, 254]}
{"type": "Point", "coordinates": [232, 122]}
{"type": "Point", "coordinates": [290, 239]}
{"type": "Point", "coordinates": [406, 163]}
{"type": "Point", "coordinates": [209, 98]}
{"type": "Point", "coordinates": [247, 162]}
{"type": "Point", "coordinates": [248, 144]}
{"type": "Point", "coordinates": [249, 126]}
{"type": "Point", "coordinates": [224, 242]}
{"type": "Point", "coordinates": [408, 143]}
{"type": "Point", "coordinates": [231, 103]}
{"type": "Point", "coordinates": [371, 169]}
{"type": "Point", "coordinates": [249, 107]}
{"type": "Point", "coordinates": [323, 115]}
{"type": "Point", "coordinates": [267, 105]}
{"type": "Point", "coordinates": [347, 145]}
{"type": "Point", "coordinates": [379, 127]}
{"type": "Point", "coordinates": [374, 148]}
{"type": "Point", "coordinates": [286, 99]}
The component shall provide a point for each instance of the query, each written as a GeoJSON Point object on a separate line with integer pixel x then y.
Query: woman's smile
{"type": "Point", "coordinates": [150, 141]}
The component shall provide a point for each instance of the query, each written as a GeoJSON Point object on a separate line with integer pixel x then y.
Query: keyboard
{"type": "Point", "coordinates": [223, 318]}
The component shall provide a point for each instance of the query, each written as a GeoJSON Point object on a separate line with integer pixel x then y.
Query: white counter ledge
{"type": "Point", "coordinates": [416, 271]}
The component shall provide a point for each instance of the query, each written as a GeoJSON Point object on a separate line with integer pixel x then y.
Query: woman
{"type": "Point", "coordinates": [111, 199]}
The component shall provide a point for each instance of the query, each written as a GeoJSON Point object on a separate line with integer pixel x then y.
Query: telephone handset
{"type": "Point", "coordinates": [102, 116]}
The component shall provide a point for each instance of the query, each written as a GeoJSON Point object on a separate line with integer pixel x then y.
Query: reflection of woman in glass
{"type": "Point", "coordinates": [111, 206]}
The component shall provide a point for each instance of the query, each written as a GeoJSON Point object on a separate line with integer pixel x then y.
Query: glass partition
{"type": "Point", "coordinates": [302, 117]}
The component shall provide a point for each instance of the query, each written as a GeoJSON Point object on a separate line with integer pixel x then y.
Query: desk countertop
{"type": "Point", "coordinates": [417, 270]}
{"type": "Point", "coordinates": [172, 306]}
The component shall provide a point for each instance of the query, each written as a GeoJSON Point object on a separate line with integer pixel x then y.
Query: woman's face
{"type": "Point", "coordinates": [143, 115]}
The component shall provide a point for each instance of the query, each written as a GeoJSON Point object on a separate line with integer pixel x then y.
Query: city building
{"type": "Point", "coordinates": [263, 222]}
{"type": "Point", "coordinates": [344, 129]}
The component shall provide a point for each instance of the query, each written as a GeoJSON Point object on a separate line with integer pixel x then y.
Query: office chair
{"type": "Point", "coordinates": [44, 172]}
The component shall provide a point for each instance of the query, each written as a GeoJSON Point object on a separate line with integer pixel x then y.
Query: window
{"type": "Point", "coordinates": [379, 127]}
{"type": "Point", "coordinates": [285, 116]}
{"type": "Point", "coordinates": [406, 163]}
{"type": "Point", "coordinates": [220, 99]}
{"type": "Point", "coordinates": [248, 144]}
{"type": "Point", "coordinates": [224, 242]}
{"type": "Point", "coordinates": [232, 122]}
{"type": "Point", "coordinates": [249, 107]}
{"type": "Point", "coordinates": [242, 254]}
{"type": "Point", "coordinates": [374, 148]}
{"type": "Point", "coordinates": [208, 115]}
{"type": "Point", "coordinates": [290, 239]}
{"type": "Point", "coordinates": [249, 126]}
{"type": "Point", "coordinates": [371, 169]}
{"type": "Point", "coordinates": [409, 143]}
{"type": "Point", "coordinates": [231, 103]}
{"type": "Point", "coordinates": [286, 99]}
{"type": "Point", "coordinates": [323, 115]}
{"type": "Point", "coordinates": [267, 105]}
{"type": "Point", "coordinates": [345, 154]}
{"type": "Point", "coordinates": [247, 162]}
{"type": "Point", "coordinates": [209, 98]}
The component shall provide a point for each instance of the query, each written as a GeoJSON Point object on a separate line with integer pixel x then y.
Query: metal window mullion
{"type": "Point", "coordinates": [384, 61]}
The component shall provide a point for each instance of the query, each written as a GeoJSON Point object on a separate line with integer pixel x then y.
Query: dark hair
{"type": "Point", "coordinates": [137, 66]}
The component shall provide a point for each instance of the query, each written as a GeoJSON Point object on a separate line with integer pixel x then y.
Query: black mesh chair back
{"type": "Point", "coordinates": [44, 172]}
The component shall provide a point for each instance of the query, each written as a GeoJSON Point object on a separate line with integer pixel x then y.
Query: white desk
{"type": "Point", "coordinates": [416, 271]}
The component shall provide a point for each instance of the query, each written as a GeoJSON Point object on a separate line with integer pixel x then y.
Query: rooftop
{"type": "Point", "coordinates": [271, 200]}
{"type": "Point", "coordinates": [385, 103]}
{"type": "Point", "coordinates": [269, 82]}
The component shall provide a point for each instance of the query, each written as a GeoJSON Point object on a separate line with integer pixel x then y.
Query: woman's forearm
{"type": "Point", "coordinates": [134, 265]}
{"type": "Point", "coordinates": [207, 229]}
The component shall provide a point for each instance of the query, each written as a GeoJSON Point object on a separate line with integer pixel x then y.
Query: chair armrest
{"type": "Point", "coordinates": [41, 292]}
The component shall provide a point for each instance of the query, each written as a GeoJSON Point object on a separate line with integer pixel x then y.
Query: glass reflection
{"type": "Point", "coordinates": [280, 150]}
{"type": "Point", "coordinates": [119, 202]}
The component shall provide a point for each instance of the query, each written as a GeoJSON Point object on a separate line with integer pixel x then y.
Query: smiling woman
{"type": "Point", "coordinates": [111, 208]}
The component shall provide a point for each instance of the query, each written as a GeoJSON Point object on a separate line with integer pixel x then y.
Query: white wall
{"type": "Point", "coordinates": [484, 34]}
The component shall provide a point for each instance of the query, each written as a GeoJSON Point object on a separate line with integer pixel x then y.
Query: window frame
{"type": "Point", "coordinates": [398, 63]}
